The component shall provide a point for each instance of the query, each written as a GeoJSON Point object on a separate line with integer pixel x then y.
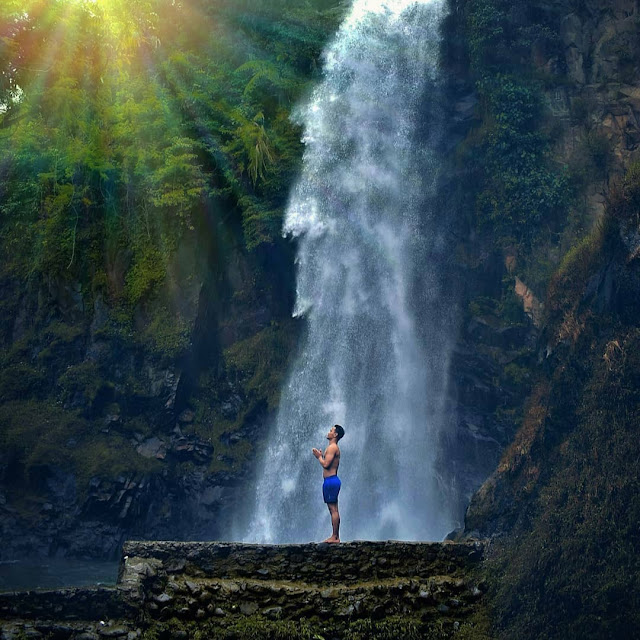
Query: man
{"type": "Point", "coordinates": [331, 486]}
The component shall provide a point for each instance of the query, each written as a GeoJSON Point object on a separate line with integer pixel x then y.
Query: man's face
{"type": "Point", "coordinates": [332, 433]}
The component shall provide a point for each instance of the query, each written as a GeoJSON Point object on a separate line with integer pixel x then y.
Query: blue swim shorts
{"type": "Point", "coordinates": [331, 489]}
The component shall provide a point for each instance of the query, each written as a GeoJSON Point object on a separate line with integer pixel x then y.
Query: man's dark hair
{"type": "Point", "coordinates": [339, 429]}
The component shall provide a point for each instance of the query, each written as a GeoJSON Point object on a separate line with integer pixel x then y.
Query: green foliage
{"type": "Point", "coordinates": [477, 628]}
{"type": "Point", "coordinates": [59, 336]}
{"type": "Point", "coordinates": [167, 334]}
{"type": "Point", "coordinates": [520, 191]}
{"type": "Point", "coordinates": [140, 143]}
{"type": "Point", "coordinates": [255, 371]}
{"type": "Point", "coordinates": [500, 33]}
{"type": "Point", "coordinates": [387, 629]}
{"type": "Point", "coordinates": [108, 456]}
{"type": "Point", "coordinates": [107, 154]}
{"type": "Point", "coordinates": [257, 628]}
{"type": "Point", "coordinates": [518, 188]}
{"type": "Point", "coordinates": [569, 281]}
{"type": "Point", "coordinates": [80, 384]}
{"type": "Point", "coordinates": [39, 435]}
{"type": "Point", "coordinates": [260, 224]}
{"type": "Point", "coordinates": [36, 433]}
{"type": "Point", "coordinates": [486, 25]}
{"type": "Point", "coordinates": [20, 381]}
{"type": "Point", "coordinates": [510, 309]}
{"type": "Point", "coordinates": [150, 634]}
{"type": "Point", "coordinates": [147, 273]}
{"type": "Point", "coordinates": [249, 628]}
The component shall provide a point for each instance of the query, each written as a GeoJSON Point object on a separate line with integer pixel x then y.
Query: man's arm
{"type": "Point", "coordinates": [327, 459]}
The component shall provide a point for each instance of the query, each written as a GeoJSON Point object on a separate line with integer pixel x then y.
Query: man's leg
{"type": "Point", "coordinates": [335, 522]}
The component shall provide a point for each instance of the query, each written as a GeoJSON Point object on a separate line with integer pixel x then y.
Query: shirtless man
{"type": "Point", "coordinates": [331, 486]}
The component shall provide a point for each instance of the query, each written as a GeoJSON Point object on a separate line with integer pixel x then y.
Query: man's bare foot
{"type": "Point", "coordinates": [332, 540]}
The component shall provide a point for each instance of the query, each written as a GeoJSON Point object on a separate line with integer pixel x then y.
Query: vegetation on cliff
{"type": "Point", "coordinates": [566, 492]}
{"type": "Point", "coordinates": [562, 501]}
{"type": "Point", "coordinates": [146, 153]}
{"type": "Point", "coordinates": [519, 189]}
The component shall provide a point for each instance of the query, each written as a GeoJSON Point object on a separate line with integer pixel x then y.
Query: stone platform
{"type": "Point", "coordinates": [229, 590]}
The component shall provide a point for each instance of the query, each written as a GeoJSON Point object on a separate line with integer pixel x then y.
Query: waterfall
{"type": "Point", "coordinates": [370, 252]}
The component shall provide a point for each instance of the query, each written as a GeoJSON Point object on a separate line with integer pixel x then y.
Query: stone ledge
{"type": "Point", "coordinates": [214, 587]}
{"type": "Point", "coordinates": [325, 564]}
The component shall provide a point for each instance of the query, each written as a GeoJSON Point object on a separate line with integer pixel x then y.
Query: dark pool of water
{"type": "Point", "coordinates": [22, 575]}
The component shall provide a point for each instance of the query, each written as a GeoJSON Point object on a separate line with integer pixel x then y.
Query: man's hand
{"type": "Point", "coordinates": [317, 453]}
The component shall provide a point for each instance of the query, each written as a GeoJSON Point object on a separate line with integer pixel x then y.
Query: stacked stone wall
{"type": "Point", "coordinates": [171, 589]}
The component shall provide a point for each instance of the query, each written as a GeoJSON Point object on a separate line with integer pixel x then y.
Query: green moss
{"type": "Point", "coordinates": [510, 309]}
{"type": "Point", "coordinates": [147, 273]}
{"type": "Point", "coordinates": [568, 283]}
{"type": "Point", "coordinates": [481, 306]}
{"type": "Point", "coordinates": [260, 362]}
{"type": "Point", "coordinates": [82, 384]}
{"type": "Point", "coordinates": [256, 628]}
{"type": "Point", "coordinates": [108, 456]}
{"type": "Point", "coordinates": [59, 336]}
{"type": "Point", "coordinates": [516, 188]}
{"type": "Point", "coordinates": [478, 627]}
{"type": "Point", "coordinates": [21, 381]}
{"type": "Point", "coordinates": [387, 629]}
{"type": "Point", "coordinates": [249, 628]}
{"type": "Point", "coordinates": [167, 333]}
{"type": "Point", "coordinates": [516, 374]}
{"type": "Point", "coordinates": [579, 261]}
{"type": "Point", "coordinates": [21, 635]}
{"type": "Point", "coordinates": [569, 567]}
{"type": "Point", "coordinates": [100, 282]}
{"type": "Point", "coordinates": [37, 433]}
{"type": "Point", "coordinates": [63, 332]}
{"type": "Point", "coordinates": [624, 204]}
{"type": "Point", "coordinates": [583, 519]}
{"type": "Point", "coordinates": [255, 371]}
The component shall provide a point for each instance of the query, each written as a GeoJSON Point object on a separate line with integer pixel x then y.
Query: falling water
{"type": "Point", "coordinates": [375, 353]}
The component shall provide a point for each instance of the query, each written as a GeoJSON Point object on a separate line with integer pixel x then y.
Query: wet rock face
{"type": "Point", "coordinates": [177, 479]}
{"type": "Point", "coordinates": [178, 589]}
{"type": "Point", "coordinates": [596, 38]}
{"type": "Point", "coordinates": [597, 103]}
{"type": "Point", "coordinates": [95, 524]}
{"type": "Point", "coordinates": [593, 106]}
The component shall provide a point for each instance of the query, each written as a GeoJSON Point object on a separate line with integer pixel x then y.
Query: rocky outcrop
{"type": "Point", "coordinates": [594, 109]}
{"type": "Point", "coordinates": [129, 388]}
{"type": "Point", "coordinates": [598, 103]}
{"type": "Point", "coordinates": [591, 89]}
{"type": "Point", "coordinates": [182, 589]}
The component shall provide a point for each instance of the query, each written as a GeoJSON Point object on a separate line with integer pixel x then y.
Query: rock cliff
{"type": "Point", "coordinates": [560, 504]}
{"type": "Point", "coordinates": [139, 447]}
